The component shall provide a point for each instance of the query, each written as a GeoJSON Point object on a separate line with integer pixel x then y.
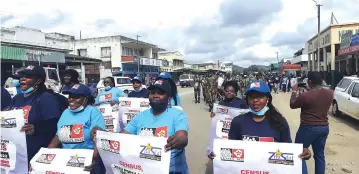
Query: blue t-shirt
{"type": "Point", "coordinates": [172, 101]}
{"type": "Point", "coordinates": [245, 128]}
{"type": "Point", "coordinates": [105, 97]}
{"type": "Point", "coordinates": [5, 98]}
{"type": "Point", "coordinates": [74, 128]}
{"type": "Point", "coordinates": [236, 103]}
{"type": "Point", "coordinates": [140, 94]}
{"type": "Point", "coordinates": [164, 125]}
{"type": "Point", "coordinates": [42, 110]}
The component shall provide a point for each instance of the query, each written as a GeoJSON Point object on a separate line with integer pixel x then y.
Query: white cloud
{"type": "Point", "coordinates": [166, 23]}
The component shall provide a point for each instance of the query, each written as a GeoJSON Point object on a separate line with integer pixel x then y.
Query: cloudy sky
{"type": "Point", "coordinates": [243, 31]}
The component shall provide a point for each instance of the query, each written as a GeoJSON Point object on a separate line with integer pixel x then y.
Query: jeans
{"type": "Point", "coordinates": [317, 137]}
{"type": "Point", "coordinates": [99, 167]}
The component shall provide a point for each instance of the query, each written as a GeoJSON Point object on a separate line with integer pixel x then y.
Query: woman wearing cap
{"type": "Point", "coordinates": [139, 91]}
{"type": "Point", "coordinates": [42, 109]}
{"type": "Point", "coordinates": [70, 79]}
{"type": "Point", "coordinates": [175, 99]}
{"type": "Point", "coordinates": [110, 94]}
{"type": "Point", "coordinates": [81, 116]}
{"type": "Point", "coordinates": [169, 122]}
{"type": "Point", "coordinates": [263, 122]}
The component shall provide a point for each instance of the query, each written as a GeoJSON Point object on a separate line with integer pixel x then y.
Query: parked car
{"type": "Point", "coordinates": [123, 83]}
{"type": "Point", "coordinates": [346, 97]}
{"type": "Point", "coordinates": [186, 80]}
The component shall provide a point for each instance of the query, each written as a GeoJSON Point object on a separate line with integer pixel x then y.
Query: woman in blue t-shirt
{"type": "Point", "coordinates": [76, 122]}
{"type": "Point", "coordinates": [110, 94]}
{"type": "Point", "coordinates": [263, 123]}
{"type": "Point", "coordinates": [162, 120]}
{"type": "Point", "coordinates": [175, 99]}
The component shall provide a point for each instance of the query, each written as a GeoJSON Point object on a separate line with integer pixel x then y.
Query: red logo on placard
{"type": "Point", "coordinates": [115, 145]}
{"type": "Point", "coordinates": [26, 110]}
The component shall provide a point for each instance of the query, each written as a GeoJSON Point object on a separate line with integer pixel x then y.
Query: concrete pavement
{"type": "Point", "coordinates": [342, 145]}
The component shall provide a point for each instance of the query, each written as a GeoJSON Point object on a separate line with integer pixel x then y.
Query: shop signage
{"type": "Point", "coordinates": [44, 56]}
{"type": "Point", "coordinates": [127, 59]}
{"type": "Point", "coordinates": [346, 39]}
{"type": "Point", "coordinates": [348, 50]}
{"type": "Point", "coordinates": [355, 39]}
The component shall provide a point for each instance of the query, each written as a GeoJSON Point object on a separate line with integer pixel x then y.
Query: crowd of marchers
{"type": "Point", "coordinates": [50, 112]}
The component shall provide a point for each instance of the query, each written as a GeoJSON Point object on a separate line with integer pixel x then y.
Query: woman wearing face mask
{"type": "Point", "coordinates": [139, 91]}
{"type": "Point", "coordinates": [110, 94]}
{"type": "Point", "coordinates": [230, 97]}
{"type": "Point", "coordinates": [70, 79]}
{"type": "Point", "coordinates": [175, 99]}
{"type": "Point", "coordinates": [263, 122]}
{"type": "Point", "coordinates": [81, 116]}
{"type": "Point", "coordinates": [42, 109]}
{"type": "Point", "coordinates": [171, 122]}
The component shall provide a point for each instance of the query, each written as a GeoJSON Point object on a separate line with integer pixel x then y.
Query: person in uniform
{"type": "Point", "coordinates": [212, 91]}
{"type": "Point", "coordinates": [197, 89]}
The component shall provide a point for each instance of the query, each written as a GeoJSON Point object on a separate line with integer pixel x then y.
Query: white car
{"type": "Point", "coordinates": [346, 97]}
{"type": "Point", "coordinates": [123, 83]}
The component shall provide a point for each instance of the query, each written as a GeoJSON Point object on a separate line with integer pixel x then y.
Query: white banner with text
{"type": "Point", "coordinates": [124, 153]}
{"type": "Point", "coordinates": [234, 156]}
{"type": "Point", "coordinates": [221, 123]}
{"type": "Point", "coordinates": [13, 142]}
{"type": "Point", "coordinates": [64, 161]}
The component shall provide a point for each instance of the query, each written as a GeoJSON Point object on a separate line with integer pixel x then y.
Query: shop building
{"type": "Point", "coordinates": [348, 54]}
{"type": "Point", "coordinates": [301, 58]}
{"type": "Point", "coordinates": [21, 46]}
{"type": "Point", "coordinates": [121, 55]}
{"type": "Point", "coordinates": [329, 45]}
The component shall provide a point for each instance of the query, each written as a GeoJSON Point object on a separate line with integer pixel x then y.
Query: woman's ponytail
{"type": "Point", "coordinates": [275, 118]}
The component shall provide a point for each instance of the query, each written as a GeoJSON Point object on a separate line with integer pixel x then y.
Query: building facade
{"type": "Point", "coordinates": [121, 55]}
{"type": "Point", "coordinates": [174, 61]}
{"type": "Point", "coordinates": [329, 45]}
{"type": "Point", "coordinates": [301, 58]}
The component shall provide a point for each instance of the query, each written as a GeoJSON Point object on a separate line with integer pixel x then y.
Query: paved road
{"type": "Point", "coordinates": [342, 144]}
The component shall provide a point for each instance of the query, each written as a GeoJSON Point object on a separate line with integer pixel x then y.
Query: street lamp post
{"type": "Point", "coordinates": [318, 37]}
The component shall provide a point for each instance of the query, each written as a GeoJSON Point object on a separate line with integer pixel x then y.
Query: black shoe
{"type": "Point", "coordinates": [199, 101]}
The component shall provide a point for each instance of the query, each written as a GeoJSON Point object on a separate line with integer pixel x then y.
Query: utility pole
{"type": "Point", "coordinates": [138, 59]}
{"type": "Point", "coordinates": [277, 57]}
{"type": "Point", "coordinates": [318, 37]}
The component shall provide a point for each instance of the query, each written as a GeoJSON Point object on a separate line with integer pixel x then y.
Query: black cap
{"type": "Point", "coordinates": [161, 84]}
{"type": "Point", "coordinates": [34, 70]}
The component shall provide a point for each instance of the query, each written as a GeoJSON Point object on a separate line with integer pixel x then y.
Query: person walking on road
{"type": "Point", "coordinates": [169, 122]}
{"type": "Point", "coordinates": [314, 128]}
{"type": "Point", "coordinates": [80, 115]}
{"type": "Point", "coordinates": [197, 89]}
{"type": "Point", "coordinates": [41, 107]}
{"type": "Point", "coordinates": [139, 91]}
{"type": "Point", "coordinates": [263, 120]}
{"type": "Point", "coordinates": [110, 94]}
{"type": "Point", "coordinates": [71, 77]}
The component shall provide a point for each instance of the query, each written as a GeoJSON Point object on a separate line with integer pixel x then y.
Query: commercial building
{"type": "Point", "coordinates": [301, 58]}
{"type": "Point", "coordinates": [21, 46]}
{"type": "Point", "coordinates": [175, 61]}
{"type": "Point", "coordinates": [226, 66]}
{"type": "Point", "coordinates": [348, 54]}
{"type": "Point", "coordinates": [330, 39]}
{"type": "Point", "coordinates": [121, 55]}
{"type": "Point", "coordinates": [329, 45]}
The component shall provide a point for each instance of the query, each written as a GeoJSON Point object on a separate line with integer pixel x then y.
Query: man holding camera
{"type": "Point", "coordinates": [314, 125]}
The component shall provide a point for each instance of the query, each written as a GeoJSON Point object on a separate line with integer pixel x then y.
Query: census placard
{"type": "Point", "coordinates": [221, 122]}
{"type": "Point", "coordinates": [234, 156]}
{"type": "Point", "coordinates": [124, 153]}
{"type": "Point", "coordinates": [13, 142]}
{"type": "Point", "coordinates": [128, 108]}
{"type": "Point", "coordinates": [64, 161]}
{"type": "Point", "coordinates": [110, 114]}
